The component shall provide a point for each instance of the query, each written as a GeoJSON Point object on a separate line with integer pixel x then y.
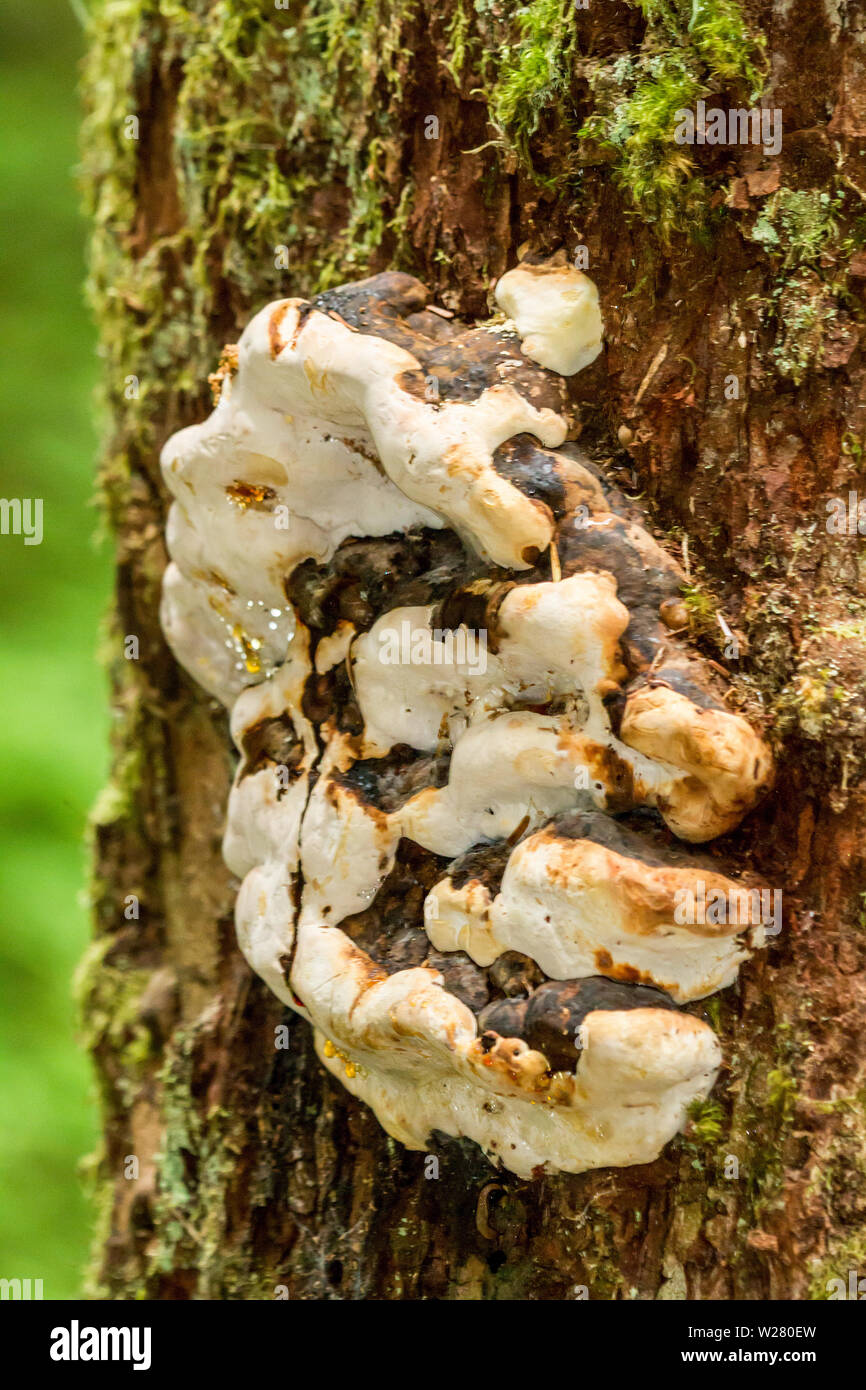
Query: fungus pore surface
{"type": "Point", "coordinates": [475, 761]}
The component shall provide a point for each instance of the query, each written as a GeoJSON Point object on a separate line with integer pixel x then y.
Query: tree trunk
{"type": "Point", "coordinates": [730, 395]}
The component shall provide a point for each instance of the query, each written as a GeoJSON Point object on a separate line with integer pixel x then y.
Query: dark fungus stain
{"type": "Point", "coordinates": [549, 1019]}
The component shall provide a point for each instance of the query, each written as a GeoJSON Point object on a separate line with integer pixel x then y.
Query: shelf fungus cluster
{"type": "Point", "coordinates": [476, 755]}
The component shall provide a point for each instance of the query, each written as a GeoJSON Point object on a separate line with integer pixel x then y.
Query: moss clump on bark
{"type": "Point", "coordinates": [282, 135]}
{"type": "Point", "coordinates": [688, 51]}
{"type": "Point", "coordinates": [706, 1120]}
{"type": "Point", "coordinates": [533, 69]}
{"type": "Point", "coordinates": [108, 994]}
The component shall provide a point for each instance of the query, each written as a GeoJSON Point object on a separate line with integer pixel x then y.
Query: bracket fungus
{"type": "Point", "coordinates": [474, 760]}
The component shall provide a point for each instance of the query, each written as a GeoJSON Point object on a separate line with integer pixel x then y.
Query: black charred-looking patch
{"type": "Point", "coordinates": [462, 977]}
{"type": "Point", "coordinates": [391, 930]}
{"type": "Point", "coordinates": [329, 695]}
{"type": "Point", "coordinates": [468, 363]}
{"type": "Point", "coordinates": [617, 777]}
{"type": "Point", "coordinates": [605, 545]}
{"type": "Point", "coordinates": [677, 679]}
{"type": "Point", "coordinates": [450, 565]}
{"type": "Point", "coordinates": [476, 605]}
{"type": "Point", "coordinates": [388, 783]}
{"type": "Point", "coordinates": [614, 703]}
{"type": "Point", "coordinates": [486, 863]}
{"type": "Point", "coordinates": [515, 975]}
{"type": "Point", "coordinates": [463, 361]}
{"type": "Point", "coordinates": [367, 578]}
{"type": "Point", "coordinates": [272, 741]}
{"type": "Point", "coordinates": [642, 836]}
{"type": "Point", "coordinates": [532, 470]}
{"type": "Point", "coordinates": [550, 1018]}
{"type": "Point", "coordinates": [435, 326]}
{"type": "Point", "coordinates": [377, 305]}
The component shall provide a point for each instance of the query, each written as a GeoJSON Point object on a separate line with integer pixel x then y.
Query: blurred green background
{"type": "Point", "coordinates": [53, 719]}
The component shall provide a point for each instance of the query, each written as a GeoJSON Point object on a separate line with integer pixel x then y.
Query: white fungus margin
{"type": "Point", "coordinates": [317, 439]}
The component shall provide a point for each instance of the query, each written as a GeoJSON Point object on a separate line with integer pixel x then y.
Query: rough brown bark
{"type": "Point", "coordinates": [256, 1172]}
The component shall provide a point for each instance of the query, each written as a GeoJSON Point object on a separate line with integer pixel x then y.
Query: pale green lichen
{"type": "Point", "coordinates": [841, 1177]}
{"type": "Point", "coordinates": [800, 225]}
{"type": "Point", "coordinates": [805, 314]}
{"type": "Point", "coordinates": [848, 1258]}
{"type": "Point", "coordinates": [196, 1163]}
{"type": "Point", "coordinates": [815, 702]}
{"type": "Point", "coordinates": [810, 236]}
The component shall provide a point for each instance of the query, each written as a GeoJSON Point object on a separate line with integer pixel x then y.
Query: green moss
{"type": "Point", "coordinates": [108, 995]}
{"type": "Point", "coordinates": [688, 50]}
{"type": "Point", "coordinates": [852, 447]}
{"type": "Point", "coordinates": [534, 69]}
{"type": "Point", "coordinates": [458, 38]}
{"type": "Point", "coordinates": [531, 72]}
{"type": "Point", "coordinates": [637, 100]}
{"type": "Point", "coordinates": [726, 45]}
{"type": "Point", "coordinates": [706, 1119]}
{"type": "Point", "coordinates": [264, 114]}
{"type": "Point", "coordinates": [718, 33]}
{"type": "Point", "coordinates": [117, 800]}
{"type": "Point", "coordinates": [781, 1093]}
{"type": "Point", "coordinates": [701, 608]}
{"type": "Point", "coordinates": [703, 614]}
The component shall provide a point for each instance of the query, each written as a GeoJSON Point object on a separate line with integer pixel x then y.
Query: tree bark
{"type": "Point", "coordinates": [308, 127]}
